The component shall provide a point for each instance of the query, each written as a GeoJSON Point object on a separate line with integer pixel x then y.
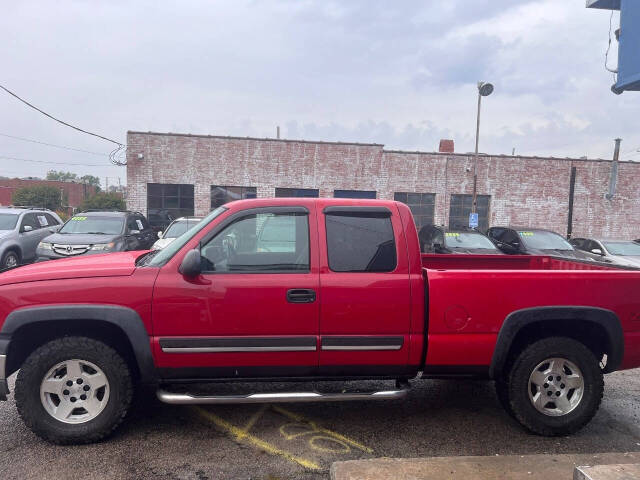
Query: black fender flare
{"type": "Point", "coordinates": [126, 319]}
{"type": "Point", "coordinates": [519, 319]}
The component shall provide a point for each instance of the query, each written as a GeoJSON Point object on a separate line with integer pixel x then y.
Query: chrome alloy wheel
{"type": "Point", "coordinates": [11, 261]}
{"type": "Point", "coordinates": [74, 391]}
{"type": "Point", "coordinates": [556, 387]}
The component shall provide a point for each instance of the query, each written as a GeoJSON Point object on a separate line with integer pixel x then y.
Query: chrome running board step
{"type": "Point", "coordinates": [283, 397]}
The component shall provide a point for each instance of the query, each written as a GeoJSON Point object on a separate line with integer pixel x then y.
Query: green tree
{"type": "Point", "coordinates": [39, 196]}
{"type": "Point", "coordinates": [91, 180]}
{"type": "Point", "coordinates": [61, 176]}
{"type": "Point", "coordinates": [106, 201]}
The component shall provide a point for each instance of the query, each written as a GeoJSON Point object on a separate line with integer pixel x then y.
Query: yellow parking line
{"type": "Point", "coordinates": [299, 418]}
{"type": "Point", "coordinates": [243, 434]}
{"type": "Point", "coordinates": [254, 418]}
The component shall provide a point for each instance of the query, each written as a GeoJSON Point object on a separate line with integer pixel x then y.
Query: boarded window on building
{"type": "Point", "coordinates": [168, 201]}
{"type": "Point", "coordinates": [354, 194]}
{"type": "Point", "coordinates": [422, 206]}
{"type": "Point", "coordinates": [460, 208]}
{"type": "Point", "coordinates": [297, 192]}
{"type": "Point", "coordinates": [224, 194]}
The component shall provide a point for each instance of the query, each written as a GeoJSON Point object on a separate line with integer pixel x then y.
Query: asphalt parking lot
{"type": "Point", "coordinates": [300, 441]}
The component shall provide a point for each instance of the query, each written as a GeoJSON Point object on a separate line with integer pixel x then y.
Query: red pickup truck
{"type": "Point", "coordinates": [283, 289]}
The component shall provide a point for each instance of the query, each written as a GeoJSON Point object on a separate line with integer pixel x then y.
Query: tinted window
{"type": "Point", "coordinates": [460, 208]}
{"type": "Point", "coordinates": [354, 194]}
{"type": "Point", "coordinates": [422, 206]}
{"type": "Point", "coordinates": [165, 200]}
{"type": "Point", "coordinates": [51, 219]}
{"type": "Point", "coordinates": [360, 243]}
{"type": "Point", "coordinates": [93, 225]}
{"type": "Point", "coordinates": [8, 221]}
{"type": "Point", "coordinates": [225, 194]}
{"type": "Point", "coordinates": [30, 220]}
{"type": "Point", "coordinates": [264, 242]}
{"type": "Point", "coordinates": [297, 192]}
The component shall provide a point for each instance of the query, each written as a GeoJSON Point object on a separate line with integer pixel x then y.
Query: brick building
{"type": "Point", "coordinates": [74, 193]}
{"type": "Point", "coordinates": [191, 174]}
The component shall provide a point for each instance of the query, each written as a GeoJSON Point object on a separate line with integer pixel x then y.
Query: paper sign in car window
{"type": "Point", "coordinates": [139, 223]}
{"type": "Point", "coordinates": [43, 220]}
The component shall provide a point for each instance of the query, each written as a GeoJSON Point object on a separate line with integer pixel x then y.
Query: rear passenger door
{"type": "Point", "coordinates": [364, 291]}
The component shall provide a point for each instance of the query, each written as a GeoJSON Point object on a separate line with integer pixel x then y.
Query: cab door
{"type": "Point", "coordinates": [254, 310]}
{"type": "Point", "coordinates": [365, 290]}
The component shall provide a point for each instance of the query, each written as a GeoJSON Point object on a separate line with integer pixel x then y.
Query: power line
{"type": "Point", "coordinates": [52, 145]}
{"type": "Point", "coordinates": [112, 155]}
{"type": "Point", "coordinates": [53, 163]}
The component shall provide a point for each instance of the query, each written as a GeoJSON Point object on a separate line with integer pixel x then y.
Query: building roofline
{"type": "Point", "coordinates": [265, 139]}
{"type": "Point", "coordinates": [404, 152]}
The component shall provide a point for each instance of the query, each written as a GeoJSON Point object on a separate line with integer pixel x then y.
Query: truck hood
{"type": "Point", "coordinates": [80, 238]}
{"type": "Point", "coordinates": [107, 265]}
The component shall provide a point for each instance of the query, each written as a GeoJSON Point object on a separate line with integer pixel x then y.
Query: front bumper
{"type": "Point", "coordinates": [4, 386]}
{"type": "Point", "coordinates": [44, 255]}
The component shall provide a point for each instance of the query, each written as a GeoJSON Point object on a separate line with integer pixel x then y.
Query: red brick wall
{"type": "Point", "coordinates": [75, 191]}
{"type": "Point", "coordinates": [524, 191]}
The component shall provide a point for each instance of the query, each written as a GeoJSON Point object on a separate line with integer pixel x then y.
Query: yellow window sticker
{"type": "Point", "coordinates": [79, 219]}
{"type": "Point", "coordinates": [526, 234]}
{"type": "Point", "coordinates": [451, 234]}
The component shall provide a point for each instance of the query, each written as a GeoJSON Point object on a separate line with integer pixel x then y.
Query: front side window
{"type": "Point", "coordinates": [93, 225]}
{"type": "Point", "coordinates": [360, 243]}
{"type": "Point", "coordinates": [259, 243]}
{"type": "Point", "coordinates": [8, 221]}
{"type": "Point", "coordinates": [29, 220]}
{"type": "Point", "coordinates": [225, 194]}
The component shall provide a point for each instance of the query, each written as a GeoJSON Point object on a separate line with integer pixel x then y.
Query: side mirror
{"type": "Point", "coordinates": [597, 251]}
{"type": "Point", "coordinates": [191, 265]}
{"type": "Point", "coordinates": [159, 234]}
{"type": "Point", "coordinates": [134, 232]}
{"type": "Point", "coordinates": [27, 228]}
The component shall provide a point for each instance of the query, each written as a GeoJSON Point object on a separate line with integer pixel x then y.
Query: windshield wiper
{"type": "Point", "coordinates": [95, 233]}
{"type": "Point", "coordinates": [145, 257]}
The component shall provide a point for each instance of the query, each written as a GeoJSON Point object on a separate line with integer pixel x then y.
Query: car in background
{"type": "Point", "coordinates": [534, 241]}
{"type": "Point", "coordinates": [93, 232]}
{"type": "Point", "coordinates": [618, 252]}
{"type": "Point", "coordinates": [435, 239]}
{"type": "Point", "coordinates": [21, 229]}
{"type": "Point", "coordinates": [174, 230]}
{"type": "Point", "coordinates": [159, 219]}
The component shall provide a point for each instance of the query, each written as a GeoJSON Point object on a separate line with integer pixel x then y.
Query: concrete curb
{"type": "Point", "coordinates": [607, 472]}
{"type": "Point", "coordinates": [499, 467]}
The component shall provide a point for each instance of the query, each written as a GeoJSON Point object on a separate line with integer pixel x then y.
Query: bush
{"type": "Point", "coordinates": [38, 196]}
{"type": "Point", "coordinates": [104, 201]}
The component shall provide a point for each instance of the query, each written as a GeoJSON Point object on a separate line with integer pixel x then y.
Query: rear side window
{"type": "Point", "coordinates": [360, 243]}
{"type": "Point", "coordinates": [51, 219]}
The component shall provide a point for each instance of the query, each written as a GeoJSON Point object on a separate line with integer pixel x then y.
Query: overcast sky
{"type": "Point", "coordinates": [400, 73]}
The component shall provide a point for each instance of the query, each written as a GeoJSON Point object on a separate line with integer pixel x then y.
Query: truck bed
{"type": "Point", "coordinates": [510, 262]}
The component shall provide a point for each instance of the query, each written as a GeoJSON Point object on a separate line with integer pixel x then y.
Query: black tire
{"type": "Point", "coordinates": [8, 256]}
{"type": "Point", "coordinates": [502, 392]}
{"type": "Point", "coordinates": [518, 386]}
{"type": "Point", "coordinates": [36, 366]}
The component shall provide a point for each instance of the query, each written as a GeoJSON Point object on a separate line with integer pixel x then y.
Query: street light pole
{"type": "Point", "coordinates": [484, 90]}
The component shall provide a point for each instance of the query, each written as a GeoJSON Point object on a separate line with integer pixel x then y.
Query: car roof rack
{"type": "Point", "coordinates": [26, 207]}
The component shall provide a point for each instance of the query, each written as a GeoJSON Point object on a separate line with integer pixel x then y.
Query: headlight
{"type": "Point", "coordinates": [45, 246]}
{"type": "Point", "coordinates": [103, 246]}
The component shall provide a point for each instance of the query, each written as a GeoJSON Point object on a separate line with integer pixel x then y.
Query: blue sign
{"type": "Point", "coordinates": [473, 220]}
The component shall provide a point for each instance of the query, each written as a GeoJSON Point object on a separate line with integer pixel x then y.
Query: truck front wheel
{"type": "Point", "coordinates": [555, 386]}
{"type": "Point", "coordinates": [73, 390]}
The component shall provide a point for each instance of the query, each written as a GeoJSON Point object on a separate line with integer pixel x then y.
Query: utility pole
{"type": "Point", "coordinates": [484, 90]}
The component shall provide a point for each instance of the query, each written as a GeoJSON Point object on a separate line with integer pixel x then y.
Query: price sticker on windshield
{"type": "Point", "coordinates": [451, 234]}
{"type": "Point", "coordinates": [526, 234]}
{"type": "Point", "coordinates": [79, 219]}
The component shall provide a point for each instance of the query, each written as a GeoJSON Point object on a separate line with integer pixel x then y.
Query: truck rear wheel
{"type": "Point", "coordinates": [73, 390]}
{"type": "Point", "coordinates": [555, 386]}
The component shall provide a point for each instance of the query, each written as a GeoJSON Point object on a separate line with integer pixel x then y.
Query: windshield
{"type": "Point", "coordinates": [8, 221]}
{"type": "Point", "coordinates": [467, 240]}
{"type": "Point", "coordinates": [178, 228]}
{"type": "Point", "coordinates": [164, 255]}
{"type": "Point", "coordinates": [94, 224]}
{"type": "Point", "coordinates": [624, 249]}
{"type": "Point", "coordinates": [543, 240]}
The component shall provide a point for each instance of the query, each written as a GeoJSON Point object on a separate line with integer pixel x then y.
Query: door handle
{"type": "Point", "coordinates": [301, 295]}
